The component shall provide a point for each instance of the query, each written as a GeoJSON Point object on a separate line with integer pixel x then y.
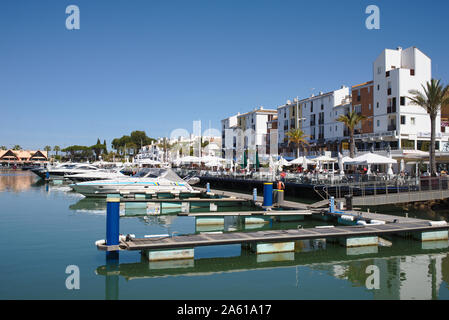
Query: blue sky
{"type": "Point", "coordinates": [159, 65]}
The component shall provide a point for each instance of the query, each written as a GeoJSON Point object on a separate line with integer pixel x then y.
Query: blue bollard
{"type": "Point", "coordinates": [47, 175]}
{"type": "Point", "coordinates": [112, 221]}
{"type": "Point", "coordinates": [332, 205]}
{"type": "Point", "coordinates": [267, 194]}
{"type": "Point", "coordinates": [255, 194]}
{"type": "Point", "coordinates": [208, 187]}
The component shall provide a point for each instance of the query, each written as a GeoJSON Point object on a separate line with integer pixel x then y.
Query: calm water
{"type": "Point", "coordinates": [44, 229]}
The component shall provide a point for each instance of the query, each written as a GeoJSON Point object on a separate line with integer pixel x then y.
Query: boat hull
{"type": "Point", "coordinates": [102, 190]}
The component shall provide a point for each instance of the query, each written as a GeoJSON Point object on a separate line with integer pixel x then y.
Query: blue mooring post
{"type": "Point", "coordinates": [112, 221]}
{"type": "Point", "coordinates": [267, 194]}
{"type": "Point", "coordinates": [332, 205]}
{"type": "Point", "coordinates": [208, 187]}
{"type": "Point", "coordinates": [47, 175]}
{"type": "Point", "coordinates": [255, 194]}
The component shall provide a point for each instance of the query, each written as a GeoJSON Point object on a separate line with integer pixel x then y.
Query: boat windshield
{"type": "Point", "coordinates": [158, 173]}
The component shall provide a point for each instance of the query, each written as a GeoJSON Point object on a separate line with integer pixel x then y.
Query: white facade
{"type": "Point", "coordinates": [245, 132]}
{"type": "Point", "coordinates": [395, 73]}
{"type": "Point", "coordinates": [316, 116]}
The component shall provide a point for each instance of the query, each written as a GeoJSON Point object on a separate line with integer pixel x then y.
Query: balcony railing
{"type": "Point", "coordinates": [391, 109]}
{"type": "Point", "coordinates": [392, 127]}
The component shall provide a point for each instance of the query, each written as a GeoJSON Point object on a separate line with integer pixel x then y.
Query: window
{"type": "Point", "coordinates": [412, 72]}
{"type": "Point", "coordinates": [378, 123]}
{"type": "Point", "coordinates": [377, 105]}
{"type": "Point", "coordinates": [387, 74]}
{"type": "Point", "coordinates": [402, 101]}
{"type": "Point", "coordinates": [412, 121]}
{"type": "Point", "coordinates": [311, 106]}
{"type": "Point", "coordinates": [322, 106]}
{"type": "Point", "coordinates": [378, 87]}
{"type": "Point", "coordinates": [402, 119]}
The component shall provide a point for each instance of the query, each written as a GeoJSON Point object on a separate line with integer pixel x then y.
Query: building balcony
{"type": "Point", "coordinates": [391, 109]}
{"type": "Point", "coordinates": [392, 127]}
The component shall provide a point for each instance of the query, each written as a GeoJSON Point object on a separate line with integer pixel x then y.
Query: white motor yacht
{"type": "Point", "coordinates": [70, 169]}
{"type": "Point", "coordinates": [101, 174]}
{"type": "Point", "coordinates": [146, 180]}
{"type": "Point", "coordinates": [58, 169]}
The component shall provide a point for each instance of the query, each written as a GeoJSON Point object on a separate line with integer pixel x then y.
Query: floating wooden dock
{"type": "Point", "coordinates": [363, 229]}
{"type": "Point", "coordinates": [275, 236]}
{"type": "Point", "coordinates": [249, 197]}
{"type": "Point", "coordinates": [250, 213]}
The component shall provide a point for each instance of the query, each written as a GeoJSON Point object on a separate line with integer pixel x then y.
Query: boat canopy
{"type": "Point", "coordinates": [158, 173]}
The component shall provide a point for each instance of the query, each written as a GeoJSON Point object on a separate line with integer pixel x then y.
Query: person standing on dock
{"type": "Point", "coordinates": [280, 185]}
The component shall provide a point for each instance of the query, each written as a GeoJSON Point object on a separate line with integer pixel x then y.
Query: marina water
{"type": "Point", "coordinates": [46, 228]}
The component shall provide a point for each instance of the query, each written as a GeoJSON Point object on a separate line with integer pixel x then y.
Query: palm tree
{"type": "Point", "coordinates": [298, 137]}
{"type": "Point", "coordinates": [351, 120]}
{"type": "Point", "coordinates": [431, 100]}
{"type": "Point", "coordinates": [17, 147]}
{"type": "Point", "coordinates": [56, 149]}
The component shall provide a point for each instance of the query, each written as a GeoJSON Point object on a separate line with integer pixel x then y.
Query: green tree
{"type": "Point", "coordinates": [17, 147]}
{"type": "Point", "coordinates": [298, 137]}
{"type": "Point", "coordinates": [351, 120]}
{"type": "Point", "coordinates": [56, 149]}
{"type": "Point", "coordinates": [97, 149]}
{"type": "Point", "coordinates": [105, 149]}
{"type": "Point", "coordinates": [3, 148]}
{"type": "Point", "coordinates": [434, 96]}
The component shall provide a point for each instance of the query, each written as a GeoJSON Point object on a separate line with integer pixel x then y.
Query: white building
{"type": "Point", "coordinates": [395, 73]}
{"type": "Point", "coordinates": [317, 117]}
{"type": "Point", "coordinates": [392, 121]}
{"type": "Point", "coordinates": [228, 140]}
{"type": "Point", "coordinates": [246, 132]}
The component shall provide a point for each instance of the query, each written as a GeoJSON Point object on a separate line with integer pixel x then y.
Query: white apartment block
{"type": "Point", "coordinates": [246, 131]}
{"type": "Point", "coordinates": [395, 73]}
{"type": "Point", "coordinates": [316, 116]}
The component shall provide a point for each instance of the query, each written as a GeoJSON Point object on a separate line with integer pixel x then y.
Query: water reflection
{"type": "Point", "coordinates": [414, 274]}
{"type": "Point", "coordinates": [16, 181]}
